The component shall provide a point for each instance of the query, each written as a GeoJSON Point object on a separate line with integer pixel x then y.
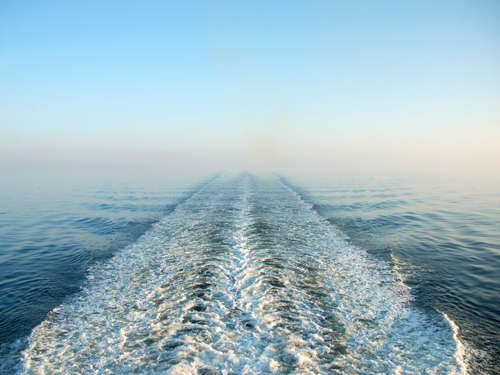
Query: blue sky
{"type": "Point", "coordinates": [390, 85]}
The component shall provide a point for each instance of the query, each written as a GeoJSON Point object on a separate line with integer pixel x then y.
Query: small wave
{"type": "Point", "coordinates": [460, 353]}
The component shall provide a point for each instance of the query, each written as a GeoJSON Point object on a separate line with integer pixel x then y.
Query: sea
{"type": "Point", "coordinates": [238, 273]}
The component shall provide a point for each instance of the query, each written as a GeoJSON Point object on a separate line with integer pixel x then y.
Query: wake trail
{"type": "Point", "coordinates": [242, 278]}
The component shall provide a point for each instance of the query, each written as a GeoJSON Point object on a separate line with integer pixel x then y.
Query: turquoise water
{"type": "Point", "coordinates": [244, 274]}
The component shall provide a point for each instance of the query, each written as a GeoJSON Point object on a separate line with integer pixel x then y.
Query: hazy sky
{"type": "Point", "coordinates": [372, 87]}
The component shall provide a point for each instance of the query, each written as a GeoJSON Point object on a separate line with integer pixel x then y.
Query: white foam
{"type": "Point", "coordinates": [460, 353]}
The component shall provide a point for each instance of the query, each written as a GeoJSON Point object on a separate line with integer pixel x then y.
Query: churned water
{"type": "Point", "coordinates": [238, 275]}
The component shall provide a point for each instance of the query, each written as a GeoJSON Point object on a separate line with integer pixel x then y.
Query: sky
{"type": "Point", "coordinates": [386, 87]}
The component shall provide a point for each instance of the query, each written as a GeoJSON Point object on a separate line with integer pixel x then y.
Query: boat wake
{"type": "Point", "coordinates": [244, 277]}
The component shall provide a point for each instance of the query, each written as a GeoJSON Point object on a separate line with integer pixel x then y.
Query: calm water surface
{"type": "Point", "coordinates": [241, 274]}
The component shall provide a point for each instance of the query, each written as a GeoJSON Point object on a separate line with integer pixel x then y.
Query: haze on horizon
{"type": "Point", "coordinates": [368, 87]}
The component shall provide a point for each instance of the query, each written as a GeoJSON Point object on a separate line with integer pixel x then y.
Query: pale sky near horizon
{"type": "Point", "coordinates": [328, 87]}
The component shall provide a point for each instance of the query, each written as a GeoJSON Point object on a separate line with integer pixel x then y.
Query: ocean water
{"type": "Point", "coordinates": [53, 228]}
{"type": "Point", "coordinates": [444, 239]}
{"type": "Point", "coordinates": [240, 274]}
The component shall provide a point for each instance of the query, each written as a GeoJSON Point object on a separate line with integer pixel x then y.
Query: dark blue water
{"type": "Point", "coordinates": [443, 243]}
